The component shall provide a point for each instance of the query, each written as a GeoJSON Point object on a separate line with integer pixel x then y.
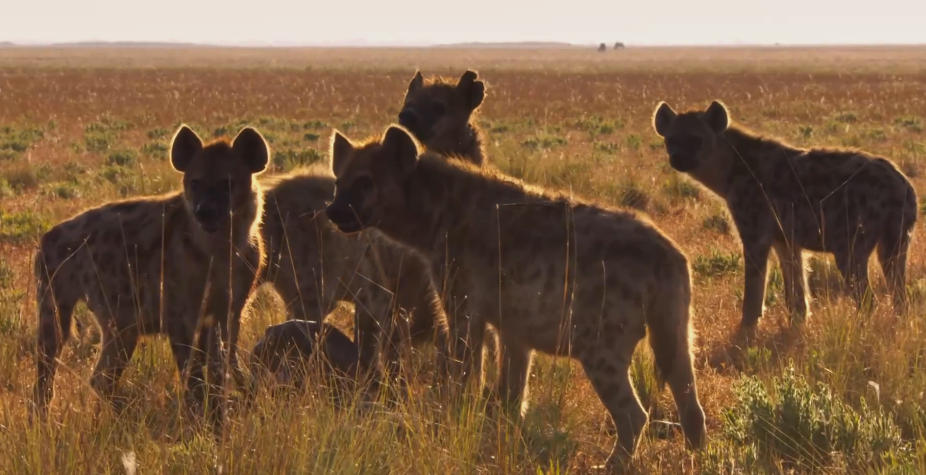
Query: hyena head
{"type": "Point", "coordinates": [271, 356]}
{"type": "Point", "coordinates": [370, 178]}
{"type": "Point", "coordinates": [218, 178]}
{"type": "Point", "coordinates": [690, 137]}
{"type": "Point", "coordinates": [440, 108]}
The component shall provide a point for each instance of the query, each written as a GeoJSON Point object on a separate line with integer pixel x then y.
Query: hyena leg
{"type": "Point", "coordinates": [681, 380]}
{"type": "Point", "coordinates": [181, 333]}
{"type": "Point", "coordinates": [755, 258]}
{"type": "Point", "coordinates": [794, 274]}
{"type": "Point", "coordinates": [467, 334]}
{"type": "Point", "coordinates": [892, 254]}
{"type": "Point", "coordinates": [54, 329]}
{"type": "Point", "coordinates": [853, 264]}
{"type": "Point", "coordinates": [230, 325]}
{"type": "Point", "coordinates": [202, 367]}
{"type": "Point", "coordinates": [513, 371]}
{"type": "Point", "coordinates": [608, 368]}
{"type": "Point", "coordinates": [115, 355]}
{"type": "Point", "coordinates": [374, 334]}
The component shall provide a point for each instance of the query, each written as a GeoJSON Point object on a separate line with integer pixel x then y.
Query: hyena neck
{"type": "Point", "coordinates": [732, 152]}
{"type": "Point", "coordinates": [743, 152]}
{"type": "Point", "coordinates": [443, 200]}
{"type": "Point", "coordinates": [466, 145]}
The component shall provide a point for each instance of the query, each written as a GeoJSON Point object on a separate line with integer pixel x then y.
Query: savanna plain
{"type": "Point", "coordinates": [842, 393]}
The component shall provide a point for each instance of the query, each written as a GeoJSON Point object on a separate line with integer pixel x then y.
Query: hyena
{"type": "Point", "coordinates": [789, 199]}
{"type": "Point", "coordinates": [175, 264]}
{"type": "Point", "coordinates": [312, 267]}
{"type": "Point", "coordinates": [285, 348]}
{"type": "Point", "coordinates": [441, 115]}
{"type": "Point", "coordinates": [547, 272]}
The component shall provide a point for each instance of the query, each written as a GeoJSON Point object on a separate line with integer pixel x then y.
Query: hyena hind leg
{"type": "Point", "coordinates": [54, 329]}
{"type": "Point", "coordinates": [608, 368]}
{"type": "Point", "coordinates": [892, 255]}
{"type": "Point", "coordinates": [853, 265]}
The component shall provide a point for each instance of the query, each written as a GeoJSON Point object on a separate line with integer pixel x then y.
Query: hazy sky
{"type": "Point", "coordinates": [419, 21]}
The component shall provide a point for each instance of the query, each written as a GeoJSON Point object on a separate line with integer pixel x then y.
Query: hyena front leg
{"type": "Point", "coordinates": [182, 334]}
{"type": "Point", "coordinates": [513, 372]}
{"type": "Point", "coordinates": [794, 274]}
{"type": "Point", "coordinates": [755, 257]}
{"type": "Point", "coordinates": [374, 334]}
{"type": "Point", "coordinates": [242, 285]}
{"type": "Point", "coordinates": [210, 390]}
{"type": "Point", "coordinates": [467, 334]}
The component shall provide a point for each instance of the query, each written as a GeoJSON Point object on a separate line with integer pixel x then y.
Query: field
{"type": "Point", "coordinates": [841, 394]}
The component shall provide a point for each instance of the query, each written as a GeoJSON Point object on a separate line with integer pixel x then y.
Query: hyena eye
{"type": "Point", "coordinates": [363, 184]}
{"type": "Point", "coordinates": [688, 143]}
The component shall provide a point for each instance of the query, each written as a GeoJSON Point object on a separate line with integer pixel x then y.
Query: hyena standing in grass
{"type": "Point", "coordinates": [549, 273]}
{"type": "Point", "coordinates": [312, 266]}
{"type": "Point", "coordinates": [155, 264]}
{"type": "Point", "coordinates": [790, 199]}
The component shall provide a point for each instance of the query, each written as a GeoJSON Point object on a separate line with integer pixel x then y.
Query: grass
{"type": "Point", "coordinates": [841, 394]}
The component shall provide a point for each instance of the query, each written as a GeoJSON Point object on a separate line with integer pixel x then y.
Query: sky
{"type": "Point", "coordinates": [400, 22]}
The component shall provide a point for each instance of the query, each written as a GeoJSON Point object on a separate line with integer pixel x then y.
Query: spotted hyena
{"type": "Point", "coordinates": [548, 272]}
{"type": "Point", "coordinates": [789, 199]}
{"type": "Point", "coordinates": [175, 264]}
{"type": "Point", "coordinates": [441, 114]}
{"type": "Point", "coordinates": [312, 266]}
{"type": "Point", "coordinates": [285, 349]}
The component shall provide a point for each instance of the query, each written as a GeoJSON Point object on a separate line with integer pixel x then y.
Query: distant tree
{"type": "Point", "coordinates": [602, 48]}
{"type": "Point", "coordinates": [618, 45]}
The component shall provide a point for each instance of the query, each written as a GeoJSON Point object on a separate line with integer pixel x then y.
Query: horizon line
{"type": "Point", "coordinates": [360, 43]}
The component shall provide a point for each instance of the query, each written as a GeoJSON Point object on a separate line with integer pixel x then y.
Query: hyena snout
{"type": "Point", "coordinates": [209, 215]}
{"type": "Point", "coordinates": [344, 216]}
{"type": "Point", "coordinates": [409, 117]}
{"type": "Point", "coordinates": [683, 162]}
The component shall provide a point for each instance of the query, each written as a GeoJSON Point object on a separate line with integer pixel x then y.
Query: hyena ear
{"type": "Point", "coordinates": [663, 118]}
{"type": "Point", "coordinates": [472, 90]}
{"type": "Point", "coordinates": [402, 147]}
{"type": "Point", "coordinates": [253, 148]}
{"type": "Point", "coordinates": [340, 148]}
{"type": "Point", "coordinates": [717, 117]}
{"type": "Point", "coordinates": [184, 146]}
{"type": "Point", "coordinates": [416, 83]}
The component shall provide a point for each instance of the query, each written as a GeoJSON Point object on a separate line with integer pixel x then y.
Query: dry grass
{"type": "Point", "coordinates": [78, 127]}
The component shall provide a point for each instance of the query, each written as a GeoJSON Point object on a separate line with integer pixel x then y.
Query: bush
{"type": "Point", "coordinates": [810, 428]}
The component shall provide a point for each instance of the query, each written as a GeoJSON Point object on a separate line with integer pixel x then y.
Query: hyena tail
{"type": "Point", "coordinates": [894, 244]}
{"type": "Point", "coordinates": [671, 338]}
{"type": "Point", "coordinates": [54, 328]}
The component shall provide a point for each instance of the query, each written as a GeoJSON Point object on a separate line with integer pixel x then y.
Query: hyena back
{"type": "Point", "coordinates": [791, 199]}
{"type": "Point", "coordinates": [313, 267]}
{"type": "Point", "coordinates": [142, 266]}
{"type": "Point", "coordinates": [549, 273]}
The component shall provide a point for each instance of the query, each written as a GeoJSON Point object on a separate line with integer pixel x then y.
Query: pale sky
{"type": "Point", "coordinates": [420, 21]}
